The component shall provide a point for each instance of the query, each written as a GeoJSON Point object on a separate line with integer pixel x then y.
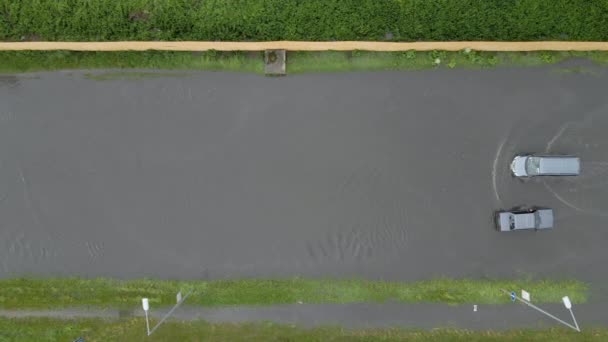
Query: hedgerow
{"type": "Point", "coordinates": [259, 20]}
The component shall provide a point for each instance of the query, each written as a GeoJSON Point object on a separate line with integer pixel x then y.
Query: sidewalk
{"type": "Point", "coordinates": [365, 315]}
{"type": "Point", "coordinates": [307, 46]}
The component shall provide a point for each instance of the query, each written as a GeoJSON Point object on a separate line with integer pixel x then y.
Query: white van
{"type": "Point", "coordinates": [545, 165]}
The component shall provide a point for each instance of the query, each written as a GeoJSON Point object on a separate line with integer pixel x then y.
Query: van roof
{"type": "Point", "coordinates": [561, 165]}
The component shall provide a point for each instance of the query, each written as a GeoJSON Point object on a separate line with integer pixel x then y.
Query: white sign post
{"type": "Point", "coordinates": [525, 295]}
{"type": "Point", "coordinates": [146, 306]}
{"type": "Point", "coordinates": [565, 300]}
{"type": "Point", "coordinates": [568, 306]}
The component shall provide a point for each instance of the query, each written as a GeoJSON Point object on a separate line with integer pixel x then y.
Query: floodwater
{"type": "Point", "coordinates": [386, 175]}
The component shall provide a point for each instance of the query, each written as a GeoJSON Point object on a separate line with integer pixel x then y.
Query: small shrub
{"type": "Point", "coordinates": [547, 57]}
{"type": "Point", "coordinates": [493, 60]}
{"type": "Point", "coordinates": [474, 57]}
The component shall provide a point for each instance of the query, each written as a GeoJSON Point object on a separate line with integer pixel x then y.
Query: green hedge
{"type": "Point", "coordinates": [403, 20]}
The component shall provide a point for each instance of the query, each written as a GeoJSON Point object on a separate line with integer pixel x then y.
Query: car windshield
{"type": "Point", "coordinates": [533, 165]}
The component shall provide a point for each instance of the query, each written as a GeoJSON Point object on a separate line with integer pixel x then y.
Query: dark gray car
{"type": "Point", "coordinates": [545, 165]}
{"type": "Point", "coordinates": [520, 219]}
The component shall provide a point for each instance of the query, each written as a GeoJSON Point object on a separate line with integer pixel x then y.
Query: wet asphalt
{"type": "Point", "coordinates": [383, 175]}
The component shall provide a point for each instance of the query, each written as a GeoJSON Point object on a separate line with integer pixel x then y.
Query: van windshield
{"type": "Point", "coordinates": [533, 166]}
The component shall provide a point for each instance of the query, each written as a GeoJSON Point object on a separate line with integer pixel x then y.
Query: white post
{"type": "Point", "coordinates": [566, 301]}
{"type": "Point", "coordinates": [568, 306]}
{"type": "Point", "coordinates": [146, 306]}
{"type": "Point", "coordinates": [147, 323]}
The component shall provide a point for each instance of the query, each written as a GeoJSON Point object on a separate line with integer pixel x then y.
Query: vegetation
{"type": "Point", "coordinates": [332, 61]}
{"type": "Point", "coordinates": [25, 61]}
{"type": "Point", "coordinates": [45, 329]}
{"type": "Point", "coordinates": [236, 20]}
{"type": "Point", "coordinates": [297, 62]}
{"type": "Point", "coordinates": [54, 293]}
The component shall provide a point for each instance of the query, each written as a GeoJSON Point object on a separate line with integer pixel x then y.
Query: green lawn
{"type": "Point", "coordinates": [297, 62]}
{"type": "Point", "coordinates": [27, 61]}
{"type": "Point", "coordinates": [43, 329]}
{"type": "Point", "coordinates": [54, 293]}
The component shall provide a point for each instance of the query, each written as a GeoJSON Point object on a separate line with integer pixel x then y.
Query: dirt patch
{"type": "Point", "coordinates": [139, 15]}
{"type": "Point", "coordinates": [31, 38]}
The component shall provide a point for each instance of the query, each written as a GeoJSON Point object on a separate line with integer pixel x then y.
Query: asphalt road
{"type": "Point", "coordinates": [387, 175]}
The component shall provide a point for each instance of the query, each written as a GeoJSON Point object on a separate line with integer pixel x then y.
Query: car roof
{"type": "Point", "coordinates": [526, 220]}
{"type": "Point", "coordinates": [563, 164]}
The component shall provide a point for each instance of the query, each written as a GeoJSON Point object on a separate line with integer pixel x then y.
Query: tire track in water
{"type": "Point", "coordinates": [43, 251]}
{"type": "Point", "coordinates": [38, 244]}
{"type": "Point", "coordinates": [365, 239]}
{"type": "Point", "coordinates": [358, 245]}
{"type": "Point", "coordinates": [94, 250]}
{"type": "Point", "coordinates": [495, 170]}
{"type": "Point", "coordinates": [19, 246]}
{"type": "Point", "coordinates": [592, 172]}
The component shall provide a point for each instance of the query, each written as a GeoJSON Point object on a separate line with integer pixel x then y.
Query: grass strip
{"type": "Point", "coordinates": [335, 61]}
{"type": "Point", "coordinates": [65, 292]}
{"type": "Point", "coordinates": [297, 62]}
{"type": "Point", "coordinates": [44, 329]}
{"type": "Point", "coordinates": [28, 61]}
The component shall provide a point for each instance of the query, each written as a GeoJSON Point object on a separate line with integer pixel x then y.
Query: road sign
{"type": "Point", "coordinates": [567, 304]}
{"type": "Point", "coordinates": [525, 295]}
